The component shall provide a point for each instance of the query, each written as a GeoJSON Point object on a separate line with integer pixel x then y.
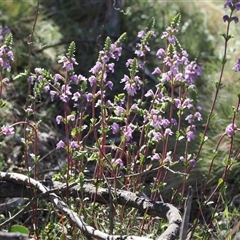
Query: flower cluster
{"type": "Point", "coordinates": [158, 115]}
{"type": "Point", "coordinates": [7, 130]}
{"type": "Point", "coordinates": [233, 5]}
{"type": "Point", "coordinates": [6, 54]}
{"type": "Point", "coordinates": [237, 66]}
{"type": "Point", "coordinates": [103, 66]}
{"type": "Point", "coordinates": [4, 31]}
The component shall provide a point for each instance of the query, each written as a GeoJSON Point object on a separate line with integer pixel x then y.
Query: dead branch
{"type": "Point", "coordinates": [13, 236]}
{"type": "Point", "coordinates": [9, 187]}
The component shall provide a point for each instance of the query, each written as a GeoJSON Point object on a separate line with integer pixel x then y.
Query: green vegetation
{"type": "Point", "coordinates": [70, 121]}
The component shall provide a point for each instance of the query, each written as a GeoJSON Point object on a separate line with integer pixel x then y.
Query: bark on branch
{"type": "Point", "coordinates": [9, 187]}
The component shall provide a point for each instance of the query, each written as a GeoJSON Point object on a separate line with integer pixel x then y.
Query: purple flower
{"type": "Point", "coordinates": [81, 78]}
{"type": "Point", "coordinates": [181, 159]}
{"type": "Point", "coordinates": [125, 79]}
{"type": "Point", "coordinates": [64, 97]}
{"type": "Point", "coordinates": [115, 128]}
{"type": "Point", "coordinates": [228, 3]}
{"type": "Point", "coordinates": [179, 77]}
{"type": "Point", "coordinates": [149, 93]}
{"type": "Point", "coordinates": [60, 144]}
{"type": "Point", "coordinates": [165, 123]}
{"type": "Point", "coordinates": [68, 63]}
{"type": "Point", "coordinates": [198, 116]}
{"type": "Point", "coordinates": [160, 53]}
{"type": "Point", "coordinates": [92, 80]}
{"type": "Point", "coordinates": [168, 159]}
{"type": "Point", "coordinates": [46, 87]}
{"type": "Point", "coordinates": [6, 81]}
{"type": "Point", "coordinates": [156, 71]}
{"type": "Point", "coordinates": [192, 71]}
{"type": "Point", "coordinates": [118, 162]}
{"type": "Point", "coordinates": [6, 65]}
{"type": "Point", "coordinates": [139, 53]}
{"type": "Point", "coordinates": [52, 94]}
{"type": "Point", "coordinates": [134, 106]}
{"type": "Point", "coordinates": [191, 133]}
{"type": "Point", "coordinates": [177, 103]}
{"type": "Point", "coordinates": [88, 96]}
{"type": "Point", "coordinates": [31, 80]}
{"type": "Point", "coordinates": [74, 79]}
{"type": "Point", "coordinates": [115, 51]}
{"type": "Point", "coordinates": [164, 35]}
{"type": "Point", "coordinates": [105, 58]}
{"type": "Point", "coordinates": [110, 67]}
{"type": "Point", "coordinates": [71, 117]}
{"type": "Point", "coordinates": [184, 57]}
{"type": "Point", "coordinates": [127, 131]}
{"type": "Point", "coordinates": [237, 6]}
{"type": "Point", "coordinates": [141, 34]}
{"type": "Point", "coordinates": [74, 145]}
{"type": "Point", "coordinates": [237, 66]}
{"type": "Point", "coordinates": [119, 111]}
{"type": "Point", "coordinates": [7, 130]}
{"type": "Point", "coordinates": [190, 136]}
{"type": "Point", "coordinates": [129, 62]}
{"type": "Point", "coordinates": [68, 66]}
{"type": "Point", "coordinates": [168, 131]}
{"type": "Point", "coordinates": [109, 84]}
{"type": "Point", "coordinates": [59, 119]}
{"type": "Point", "coordinates": [6, 57]}
{"type": "Point", "coordinates": [154, 118]}
{"type": "Point", "coordinates": [173, 121]}
{"type": "Point", "coordinates": [76, 96]}
{"type": "Point", "coordinates": [40, 78]}
{"type": "Point", "coordinates": [192, 163]}
{"type": "Point", "coordinates": [157, 136]}
{"type": "Point", "coordinates": [187, 103]}
{"type": "Point", "coordinates": [96, 68]}
{"type": "Point", "coordinates": [230, 129]}
{"type": "Point", "coordinates": [225, 18]}
{"type": "Point", "coordinates": [10, 55]}
{"type": "Point", "coordinates": [172, 39]}
{"type": "Point", "coordinates": [66, 89]}
{"type": "Point", "coordinates": [57, 77]}
{"type": "Point", "coordinates": [189, 118]}
{"type": "Point", "coordinates": [165, 78]}
{"type": "Point", "coordinates": [131, 85]}
{"type": "Point", "coordinates": [155, 157]}
{"type": "Point", "coordinates": [109, 103]}
{"type": "Point", "coordinates": [38, 70]}
{"type": "Point", "coordinates": [235, 19]}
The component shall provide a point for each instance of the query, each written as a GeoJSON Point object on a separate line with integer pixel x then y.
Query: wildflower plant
{"type": "Point", "coordinates": [139, 130]}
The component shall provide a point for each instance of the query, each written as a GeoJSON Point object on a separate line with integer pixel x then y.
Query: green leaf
{"type": "Point", "coordinates": [151, 24]}
{"type": "Point", "coordinates": [71, 49]}
{"type": "Point", "coordinates": [2, 103]}
{"type": "Point", "coordinates": [176, 20]}
{"type": "Point", "coordinates": [9, 40]}
{"type": "Point", "coordinates": [107, 45]}
{"type": "Point", "coordinates": [21, 76]}
{"type": "Point", "coordinates": [121, 39]}
{"type": "Point", "coordinates": [133, 68]}
{"type": "Point", "coordinates": [220, 181]}
{"type": "Point", "coordinates": [19, 229]}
